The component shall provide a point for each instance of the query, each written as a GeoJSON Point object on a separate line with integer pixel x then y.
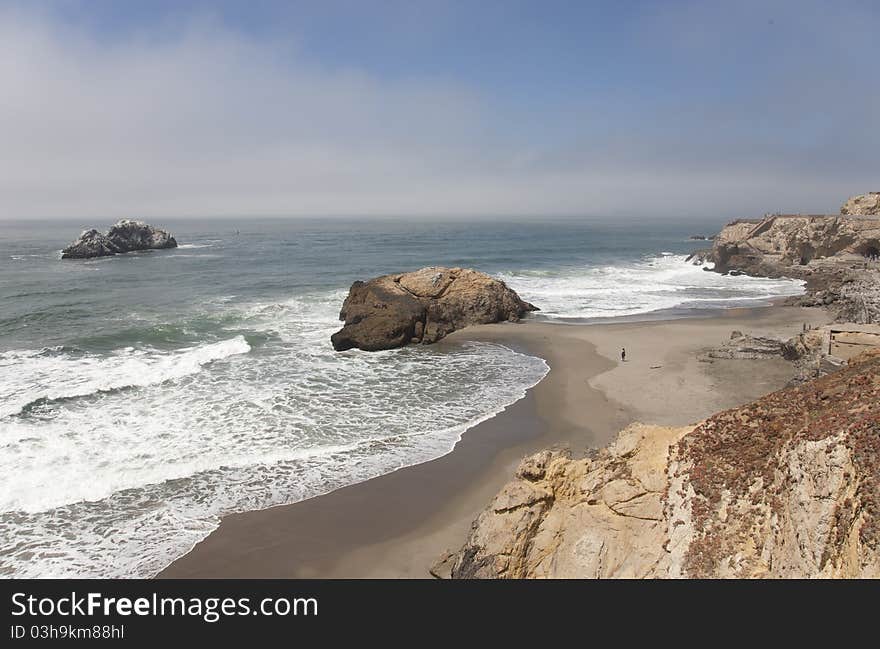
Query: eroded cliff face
{"type": "Point", "coordinates": [862, 204]}
{"type": "Point", "coordinates": [596, 517]}
{"type": "Point", "coordinates": [788, 486]}
{"type": "Point", "coordinates": [777, 243]}
{"type": "Point", "coordinates": [837, 256]}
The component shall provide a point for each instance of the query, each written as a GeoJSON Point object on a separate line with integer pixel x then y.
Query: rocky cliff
{"type": "Point", "coordinates": [422, 307]}
{"type": "Point", "coordinates": [780, 244]}
{"type": "Point", "coordinates": [837, 257]}
{"type": "Point", "coordinates": [862, 204]}
{"type": "Point", "coordinates": [124, 236]}
{"type": "Point", "coordinates": [788, 486]}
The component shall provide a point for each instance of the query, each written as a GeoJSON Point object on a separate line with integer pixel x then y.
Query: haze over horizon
{"type": "Point", "coordinates": [268, 108]}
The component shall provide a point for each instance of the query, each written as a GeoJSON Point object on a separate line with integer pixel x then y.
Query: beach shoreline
{"type": "Point", "coordinates": [398, 524]}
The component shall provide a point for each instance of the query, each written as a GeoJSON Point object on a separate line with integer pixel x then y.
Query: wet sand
{"type": "Point", "coordinates": [398, 524]}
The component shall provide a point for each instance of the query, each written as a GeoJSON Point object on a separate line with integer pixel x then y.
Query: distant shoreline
{"type": "Point", "coordinates": [398, 524]}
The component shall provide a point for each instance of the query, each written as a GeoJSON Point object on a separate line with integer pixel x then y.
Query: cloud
{"type": "Point", "coordinates": [200, 120]}
{"type": "Point", "coordinates": [208, 122]}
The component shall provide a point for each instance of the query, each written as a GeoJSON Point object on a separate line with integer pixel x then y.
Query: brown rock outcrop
{"type": "Point", "coordinates": [774, 245]}
{"type": "Point", "coordinates": [422, 307]}
{"type": "Point", "coordinates": [836, 256]}
{"type": "Point", "coordinates": [788, 486]}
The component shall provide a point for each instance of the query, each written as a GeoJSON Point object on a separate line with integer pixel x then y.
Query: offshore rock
{"type": "Point", "coordinates": [128, 236]}
{"type": "Point", "coordinates": [90, 243]}
{"type": "Point", "coordinates": [125, 236]}
{"type": "Point", "coordinates": [422, 307]}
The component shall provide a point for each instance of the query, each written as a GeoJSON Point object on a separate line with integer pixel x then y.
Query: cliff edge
{"type": "Point", "coordinates": [779, 244]}
{"type": "Point", "coordinates": [862, 204]}
{"type": "Point", "coordinates": [787, 486]}
{"type": "Point", "coordinates": [837, 256]}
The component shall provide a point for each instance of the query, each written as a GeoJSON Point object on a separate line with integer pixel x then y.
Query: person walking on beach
{"type": "Point", "coordinates": [623, 354]}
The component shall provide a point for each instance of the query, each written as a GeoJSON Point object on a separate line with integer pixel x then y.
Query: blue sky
{"type": "Point", "coordinates": [432, 108]}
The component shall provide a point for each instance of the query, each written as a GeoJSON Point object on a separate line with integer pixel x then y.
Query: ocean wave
{"type": "Point", "coordinates": [30, 378]}
{"type": "Point", "coordinates": [144, 481]}
{"type": "Point", "coordinates": [96, 483]}
{"type": "Point", "coordinates": [654, 283]}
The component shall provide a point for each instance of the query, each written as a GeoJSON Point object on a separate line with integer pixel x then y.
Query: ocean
{"type": "Point", "coordinates": [145, 396]}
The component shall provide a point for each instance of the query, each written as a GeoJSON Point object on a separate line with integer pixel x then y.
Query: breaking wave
{"type": "Point", "coordinates": [651, 284]}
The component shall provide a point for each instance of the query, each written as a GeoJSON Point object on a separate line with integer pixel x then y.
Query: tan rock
{"type": "Point", "coordinates": [835, 255]}
{"type": "Point", "coordinates": [787, 486]}
{"type": "Point", "coordinates": [777, 243]}
{"type": "Point", "coordinates": [862, 204]}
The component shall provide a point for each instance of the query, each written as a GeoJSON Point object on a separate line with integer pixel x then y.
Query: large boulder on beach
{"type": "Point", "coordinates": [125, 236]}
{"type": "Point", "coordinates": [422, 307]}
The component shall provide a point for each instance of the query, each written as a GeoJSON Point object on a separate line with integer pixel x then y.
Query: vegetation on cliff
{"type": "Point", "coordinates": [787, 486]}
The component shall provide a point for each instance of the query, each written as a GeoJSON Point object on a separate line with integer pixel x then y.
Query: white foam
{"type": "Point", "coordinates": [119, 483]}
{"type": "Point", "coordinates": [114, 465]}
{"type": "Point", "coordinates": [662, 282]}
{"type": "Point", "coordinates": [28, 376]}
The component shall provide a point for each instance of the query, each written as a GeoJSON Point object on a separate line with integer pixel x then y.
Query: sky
{"type": "Point", "coordinates": [430, 109]}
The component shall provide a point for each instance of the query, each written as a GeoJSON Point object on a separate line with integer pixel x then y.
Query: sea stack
{"type": "Point", "coordinates": [423, 306]}
{"type": "Point", "coordinates": [125, 236]}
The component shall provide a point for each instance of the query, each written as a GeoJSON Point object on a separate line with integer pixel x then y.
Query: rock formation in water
{"type": "Point", "coordinates": [868, 204]}
{"type": "Point", "coordinates": [700, 257]}
{"type": "Point", "coordinates": [90, 243]}
{"type": "Point", "coordinates": [787, 486]}
{"type": "Point", "coordinates": [422, 307]}
{"type": "Point", "coordinates": [128, 236]}
{"type": "Point", "coordinates": [125, 236]}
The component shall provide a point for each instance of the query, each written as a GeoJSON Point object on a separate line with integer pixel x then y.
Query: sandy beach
{"type": "Point", "coordinates": [398, 524]}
